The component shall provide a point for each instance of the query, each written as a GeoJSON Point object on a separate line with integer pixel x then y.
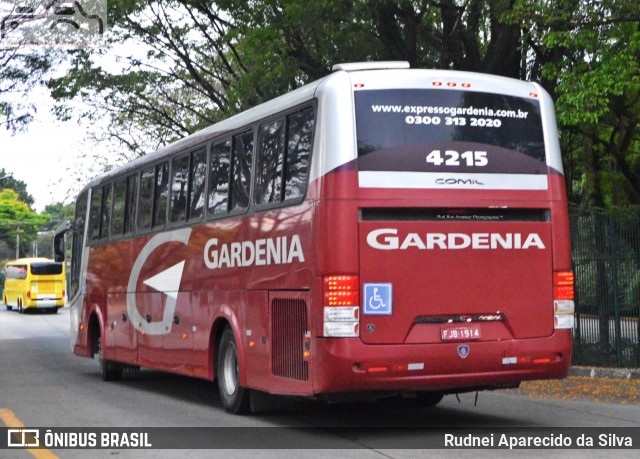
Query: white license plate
{"type": "Point", "coordinates": [460, 333]}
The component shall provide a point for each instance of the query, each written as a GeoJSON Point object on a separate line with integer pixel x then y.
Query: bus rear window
{"type": "Point", "coordinates": [442, 130]}
{"type": "Point", "coordinates": [46, 269]}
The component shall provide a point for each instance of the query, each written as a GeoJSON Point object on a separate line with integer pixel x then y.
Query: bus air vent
{"type": "Point", "coordinates": [289, 324]}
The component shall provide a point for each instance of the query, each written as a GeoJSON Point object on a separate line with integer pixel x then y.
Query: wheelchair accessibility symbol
{"type": "Point", "coordinates": [378, 299]}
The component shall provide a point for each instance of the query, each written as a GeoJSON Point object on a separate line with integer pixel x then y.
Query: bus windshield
{"type": "Point", "coordinates": [445, 130]}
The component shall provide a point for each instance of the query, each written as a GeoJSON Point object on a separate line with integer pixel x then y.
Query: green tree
{"type": "Point", "coordinates": [197, 62]}
{"type": "Point", "coordinates": [8, 181]}
{"type": "Point", "coordinates": [58, 213]}
{"type": "Point", "coordinates": [18, 222]}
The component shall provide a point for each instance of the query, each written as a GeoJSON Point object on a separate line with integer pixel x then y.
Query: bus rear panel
{"type": "Point", "coordinates": [459, 226]}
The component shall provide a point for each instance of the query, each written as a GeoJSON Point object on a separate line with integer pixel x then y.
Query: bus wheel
{"type": "Point", "coordinates": [9, 308]}
{"type": "Point", "coordinates": [429, 398]}
{"type": "Point", "coordinates": [20, 309]}
{"type": "Point", "coordinates": [109, 371]}
{"type": "Point", "coordinates": [235, 399]}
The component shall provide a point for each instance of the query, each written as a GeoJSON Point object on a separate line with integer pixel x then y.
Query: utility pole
{"type": "Point", "coordinates": [17, 242]}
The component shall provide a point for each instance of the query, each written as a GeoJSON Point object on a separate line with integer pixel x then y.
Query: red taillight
{"type": "Point", "coordinates": [563, 282]}
{"type": "Point", "coordinates": [341, 291]}
{"type": "Point", "coordinates": [29, 294]}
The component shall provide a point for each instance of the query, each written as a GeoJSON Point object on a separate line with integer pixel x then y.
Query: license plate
{"type": "Point", "coordinates": [460, 333]}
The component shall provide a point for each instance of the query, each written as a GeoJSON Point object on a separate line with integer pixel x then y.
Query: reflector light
{"type": "Point", "coordinates": [341, 306]}
{"type": "Point", "coordinates": [377, 370]}
{"type": "Point", "coordinates": [563, 293]}
{"type": "Point", "coordinates": [563, 305]}
{"type": "Point", "coordinates": [341, 329]}
{"type": "Point", "coordinates": [341, 314]}
{"type": "Point", "coordinates": [563, 278]}
{"type": "Point", "coordinates": [563, 321]}
{"type": "Point", "coordinates": [29, 294]}
{"type": "Point", "coordinates": [466, 85]}
{"type": "Point", "coordinates": [533, 94]}
{"type": "Point", "coordinates": [451, 84]}
{"type": "Point", "coordinates": [545, 360]}
{"type": "Point", "coordinates": [341, 291]}
{"type": "Point", "coordinates": [359, 85]}
{"type": "Point", "coordinates": [437, 83]}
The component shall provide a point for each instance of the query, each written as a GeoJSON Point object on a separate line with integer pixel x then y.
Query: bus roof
{"type": "Point", "coordinates": [299, 96]}
{"type": "Point", "coordinates": [29, 260]}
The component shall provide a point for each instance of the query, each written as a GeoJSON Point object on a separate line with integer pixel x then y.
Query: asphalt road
{"type": "Point", "coordinates": [44, 385]}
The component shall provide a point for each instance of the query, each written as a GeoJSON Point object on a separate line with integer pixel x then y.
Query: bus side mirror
{"type": "Point", "coordinates": [59, 246]}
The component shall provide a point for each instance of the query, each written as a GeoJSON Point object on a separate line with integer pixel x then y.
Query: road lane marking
{"type": "Point", "coordinates": [9, 419]}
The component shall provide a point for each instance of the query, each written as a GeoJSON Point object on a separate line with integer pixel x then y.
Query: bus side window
{"type": "Point", "coordinates": [132, 199]}
{"type": "Point", "coordinates": [161, 195]}
{"type": "Point", "coordinates": [268, 186]}
{"type": "Point", "coordinates": [219, 162]}
{"type": "Point", "coordinates": [145, 203]}
{"type": "Point", "coordinates": [95, 214]}
{"type": "Point", "coordinates": [179, 188]}
{"type": "Point", "coordinates": [197, 180]}
{"type": "Point", "coordinates": [241, 171]}
{"type": "Point", "coordinates": [106, 212]}
{"type": "Point", "coordinates": [299, 146]}
{"type": "Point", "coordinates": [119, 202]}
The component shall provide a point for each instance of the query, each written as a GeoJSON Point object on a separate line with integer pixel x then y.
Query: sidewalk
{"type": "Point", "coordinates": [599, 385]}
{"type": "Point", "coordinates": [596, 372]}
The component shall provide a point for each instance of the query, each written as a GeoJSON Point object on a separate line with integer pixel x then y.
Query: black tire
{"type": "Point", "coordinates": [6, 304]}
{"type": "Point", "coordinates": [235, 399]}
{"type": "Point", "coordinates": [429, 398]}
{"type": "Point", "coordinates": [109, 371]}
{"type": "Point", "coordinates": [20, 309]}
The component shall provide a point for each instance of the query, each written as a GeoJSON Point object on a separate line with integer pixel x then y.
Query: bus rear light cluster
{"type": "Point", "coordinates": [563, 304]}
{"type": "Point", "coordinates": [341, 306]}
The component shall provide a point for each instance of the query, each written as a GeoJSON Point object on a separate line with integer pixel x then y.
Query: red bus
{"type": "Point", "coordinates": [383, 230]}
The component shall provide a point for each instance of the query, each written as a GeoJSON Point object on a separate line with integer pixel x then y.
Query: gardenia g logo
{"type": "Point", "coordinates": [167, 282]}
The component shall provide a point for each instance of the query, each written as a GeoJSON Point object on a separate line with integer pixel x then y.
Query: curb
{"type": "Point", "coordinates": [594, 372]}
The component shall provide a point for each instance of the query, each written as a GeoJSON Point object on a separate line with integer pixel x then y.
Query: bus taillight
{"type": "Point", "coordinates": [563, 304]}
{"type": "Point", "coordinates": [341, 306]}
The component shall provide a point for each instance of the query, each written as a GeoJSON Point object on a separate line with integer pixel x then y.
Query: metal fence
{"type": "Point", "coordinates": [606, 259]}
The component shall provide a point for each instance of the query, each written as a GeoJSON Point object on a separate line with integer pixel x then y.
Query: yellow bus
{"type": "Point", "coordinates": [37, 283]}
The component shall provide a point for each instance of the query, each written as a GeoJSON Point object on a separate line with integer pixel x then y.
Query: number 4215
{"type": "Point", "coordinates": [453, 158]}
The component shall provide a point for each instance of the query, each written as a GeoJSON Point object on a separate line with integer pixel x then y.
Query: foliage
{"type": "Point", "coordinates": [7, 181]}
{"type": "Point", "coordinates": [17, 220]}
{"type": "Point", "coordinates": [184, 64]}
{"type": "Point", "coordinates": [22, 68]}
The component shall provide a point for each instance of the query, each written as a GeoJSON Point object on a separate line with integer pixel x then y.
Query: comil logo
{"type": "Point", "coordinates": [53, 22]}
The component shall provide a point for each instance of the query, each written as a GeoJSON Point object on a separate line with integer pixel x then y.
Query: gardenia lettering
{"type": "Point", "coordinates": [388, 239]}
{"type": "Point", "coordinates": [270, 251]}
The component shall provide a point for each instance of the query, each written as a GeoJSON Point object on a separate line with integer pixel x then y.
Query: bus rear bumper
{"type": "Point", "coordinates": [345, 365]}
{"type": "Point", "coordinates": [44, 303]}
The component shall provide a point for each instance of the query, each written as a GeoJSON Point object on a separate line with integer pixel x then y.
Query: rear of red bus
{"type": "Point", "coordinates": [441, 232]}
